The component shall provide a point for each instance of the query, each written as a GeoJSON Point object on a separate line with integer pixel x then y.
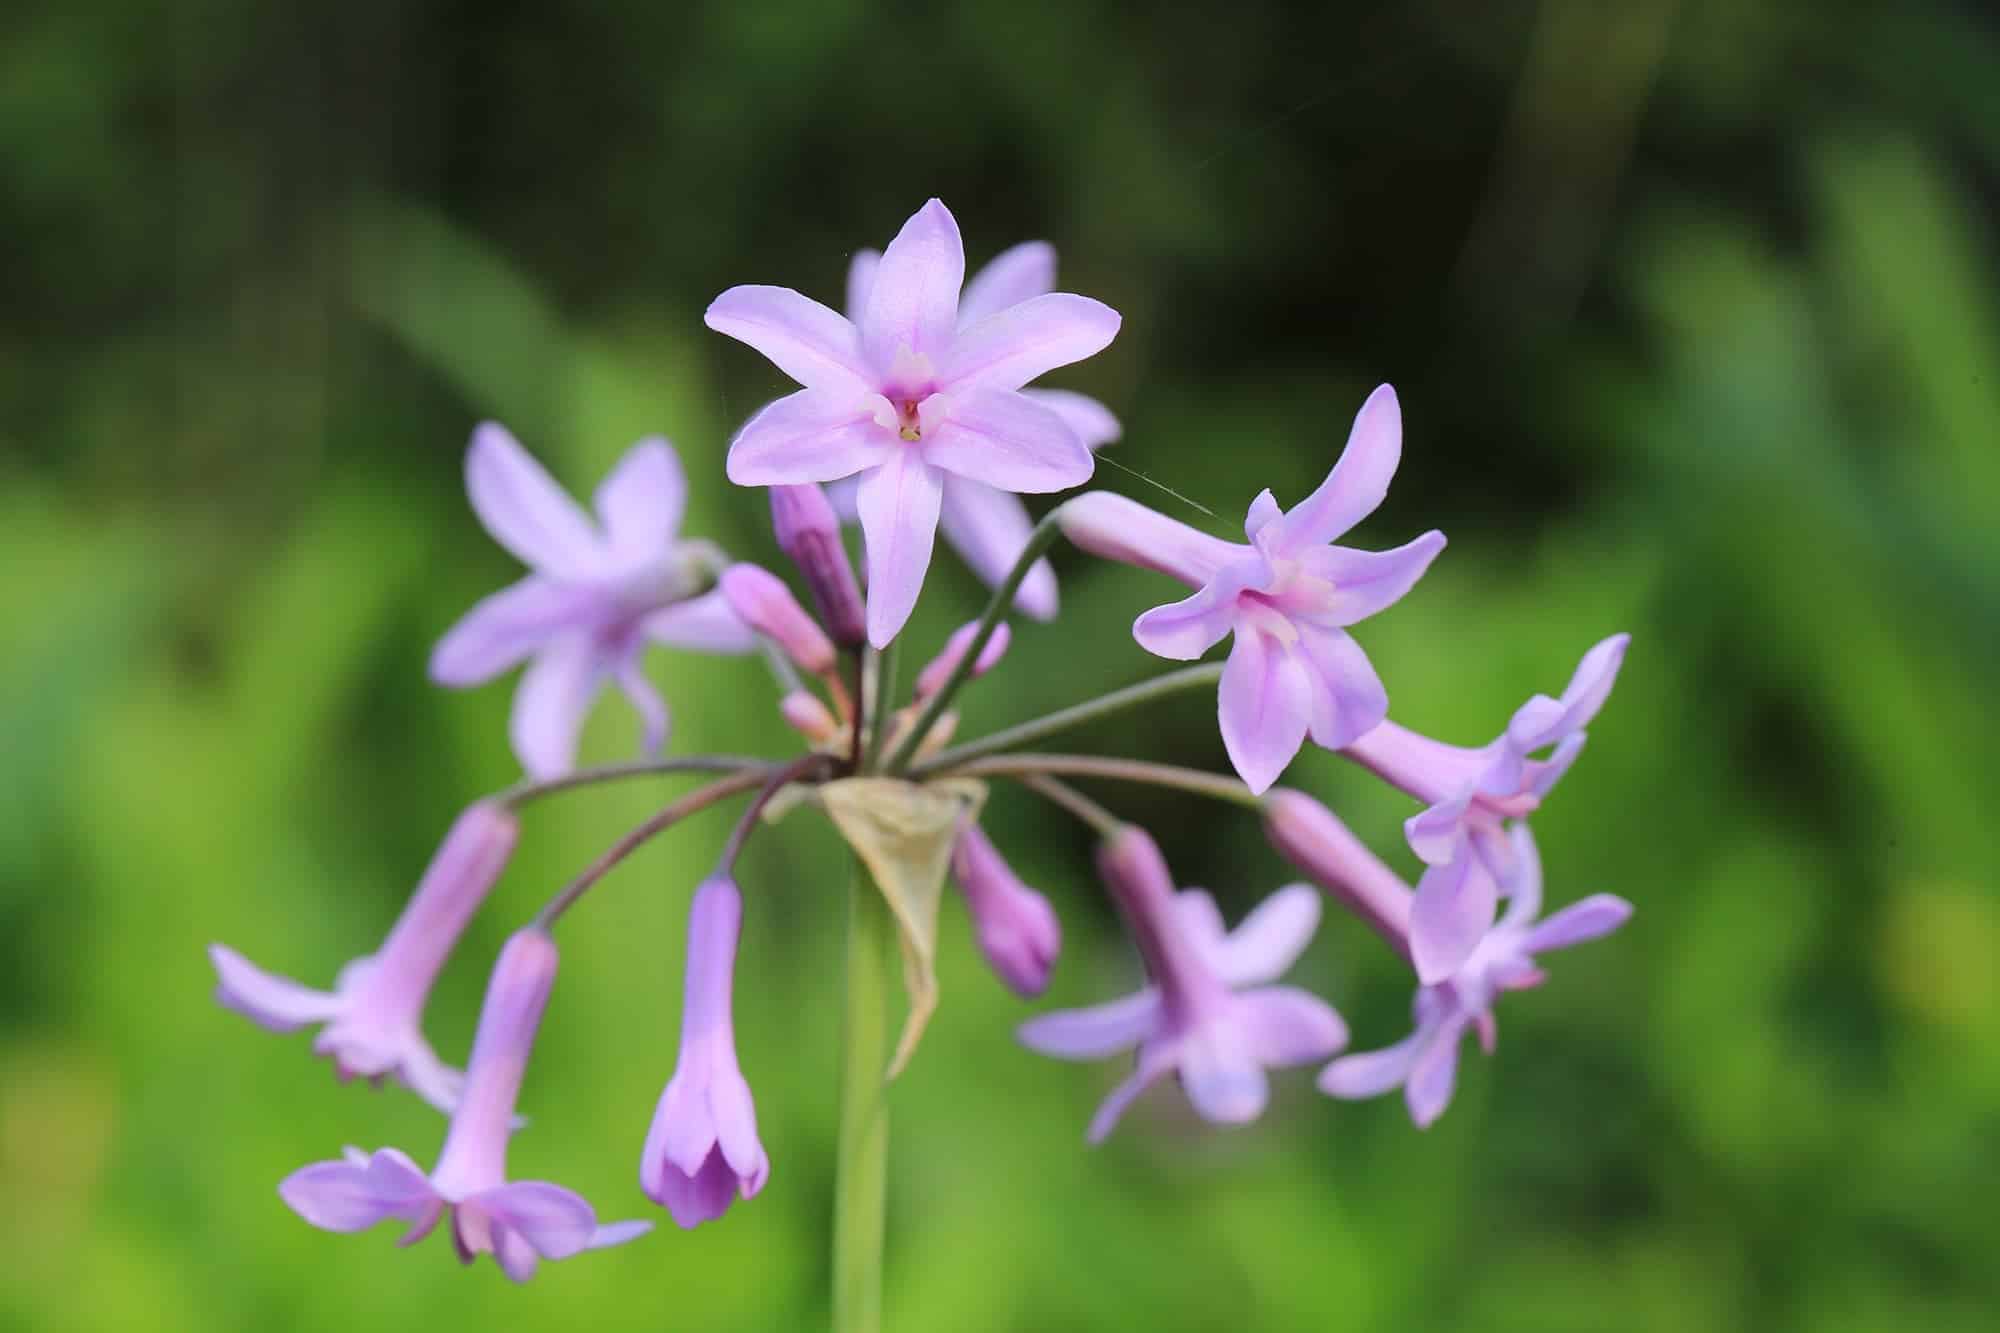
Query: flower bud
{"type": "Point", "coordinates": [809, 534]}
{"type": "Point", "coordinates": [804, 713]}
{"type": "Point", "coordinates": [1018, 931]}
{"type": "Point", "coordinates": [932, 678]}
{"type": "Point", "coordinates": [767, 606]}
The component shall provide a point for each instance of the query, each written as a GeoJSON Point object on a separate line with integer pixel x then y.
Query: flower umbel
{"type": "Point", "coordinates": [519, 1223]}
{"type": "Point", "coordinates": [905, 395]}
{"type": "Point", "coordinates": [373, 1017]}
{"type": "Point", "coordinates": [596, 595]}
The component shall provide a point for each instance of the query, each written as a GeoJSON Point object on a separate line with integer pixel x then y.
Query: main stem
{"type": "Point", "coordinates": [860, 1178]}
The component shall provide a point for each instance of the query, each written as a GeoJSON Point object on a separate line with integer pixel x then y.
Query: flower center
{"type": "Point", "coordinates": [909, 425]}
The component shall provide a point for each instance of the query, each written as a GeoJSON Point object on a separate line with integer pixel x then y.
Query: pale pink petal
{"type": "Point", "coordinates": [1282, 1026]}
{"type": "Point", "coordinates": [1365, 582]}
{"type": "Point", "coordinates": [704, 624]}
{"type": "Point", "coordinates": [989, 529]}
{"type": "Point", "coordinates": [1184, 630]}
{"type": "Point", "coordinates": [736, 1132]}
{"type": "Point", "coordinates": [913, 301]}
{"type": "Point", "coordinates": [1359, 480]}
{"type": "Point", "coordinates": [1011, 277]}
{"type": "Point", "coordinates": [1265, 706]}
{"type": "Point", "coordinates": [1262, 514]}
{"type": "Point", "coordinates": [860, 280]}
{"type": "Point", "coordinates": [840, 494]}
{"type": "Point", "coordinates": [550, 703]}
{"type": "Point", "coordinates": [1355, 1077]}
{"type": "Point", "coordinates": [278, 1004]}
{"type": "Point", "coordinates": [1523, 886]}
{"type": "Point", "coordinates": [899, 504]}
{"type": "Point", "coordinates": [513, 1252]}
{"type": "Point", "coordinates": [1203, 920]}
{"type": "Point", "coordinates": [346, 1196]}
{"type": "Point", "coordinates": [702, 1195]}
{"type": "Point", "coordinates": [556, 1222]}
{"type": "Point", "coordinates": [1121, 529]}
{"type": "Point", "coordinates": [1005, 440]}
{"type": "Point", "coordinates": [1095, 1032]}
{"type": "Point", "coordinates": [1151, 1069]}
{"type": "Point", "coordinates": [814, 345]}
{"type": "Point", "coordinates": [1011, 347]}
{"type": "Point", "coordinates": [1543, 721]}
{"type": "Point", "coordinates": [436, 1082]}
{"type": "Point", "coordinates": [1451, 913]}
{"type": "Point", "coordinates": [1437, 835]}
{"type": "Point", "coordinates": [1427, 1091]}
{"type": "Point", "coordinates": [525, 510]}
{"type": "Point", "coordinates": [1595, 916]}
{"type": "Point", "coordinates": [1089, 420]}
{"type": "Point", "coordinates": [808, 436]}
{"type": "Point", "coordinates": [617, 1233]}
{"type": "Point", "coordinates": [1267, 942]}
{"type": "Point", "coordinates": [641, 502]}
{"type": "Point", "coordinates": [1221, 1075]}
{"type": "Point", "coordinates": [1348, 698]}
{"type": "Point", "coordinates": [505, 627]}
{"type": "Point", "coordinates": [1541, 775]}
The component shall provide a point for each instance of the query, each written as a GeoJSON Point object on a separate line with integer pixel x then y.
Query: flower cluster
{"type": "Point", "coordinates": [917, 412]}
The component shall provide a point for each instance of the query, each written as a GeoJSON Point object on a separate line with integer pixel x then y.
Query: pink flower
{"type": "Point", "coordinates": [373, 1017]}
{"type": "Point", "coordinates": [702, 1152]}
{"type": "Point", "coordinates": [595, 597]}
{"type": "Point", "coordinates": [1425, 1064]}
{"type": "Point", "coordinates": [1194, 1018]}
{"type": "Point", "coordinates": [1018, 930]}
{"type": "Point", "coordinates": [1474, 793]}
{"type": "Point", "coordinates": [519, 1223]}
{"type": "Point", "coordinates": [936, 671]}
{"type": "Point", "coordinates": [907, 395]}
{"type": "Point", "coordinates": [1288, 598]}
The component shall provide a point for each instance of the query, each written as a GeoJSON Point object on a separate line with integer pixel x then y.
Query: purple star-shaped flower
{"type": "Point", "coordinates": [520, 1222]}
{"type": "Point", "coordinates": [906, 395]}
{"type": "Point", "coordinates": [1288, 597]}
{"type": "Point", "coordinates": [1208, 1014]}
{"type": "Point", "coordinates": [1474, 792]}
{"type": "Point", "coordinates": [597, 594]}
{"type": "Point", "coordinates": [1425, 1064]}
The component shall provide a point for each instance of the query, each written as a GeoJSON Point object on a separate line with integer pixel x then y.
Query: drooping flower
{"type": "Point", "coordinates": [1017, 929]}
{"type": "Point", "coordinates": [596, 595]}
{"type": "Point", "coordinates": [905, 395]}
{"type": "Point", "coordinates": [1425, 1064]}
{"type": "Point", "coordinates": [1288, 597]}
{"type": "Point", "coordinates": [1196, 1017]}
{"type": "Point", "coordinates": [702, 1152]}
{"type": "Point", "coordinates": [1474, 793]}
{"type": "Point", "coordinates": [373, 1017]}
{"type": "Point", "coordinates": [987, 526]}
{"type": "Point", "coordinates": [520, 1222]}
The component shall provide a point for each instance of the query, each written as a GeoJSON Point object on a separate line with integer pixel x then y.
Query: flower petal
{"type": "Point", "coordinates": [550, 704]}
{"type": "Point", "coordinates": [1359, 480]}
{"type": "Point", "coordinates": [1010, 347]}
{"type": "Point", "coordinates": [1451, 913]}
{"type": "Point", "coordinates": [989, 529]}
{"type": "Point", "coordinates": [808, 436]}
{"type": "Point", "coordinates": [617, 1233]}
{"type": "Point", "coordinates": [436, 1082]}
{"type": "Point", "coordinates": [1221, 1075]}
{"type": "Point", "coordinates": [1267, 942]}
{"type": "Point", "coordinates": [1438, 835]}
{"type": "Point", "coordinates": [899, 504]}
{"type": "Point", "coordinates": [506, 626]}
{"type": "Point", "coordinates": [1182, 631]}
{"type": "Point", "coordinates": [704, 624]}
{"type": "Point", "coordinates": [1543, 721]}
{"type": "Point", "coordinates": [1089, 420]}
{"type": "Point", "coordinates": [1348, 698]}
{"type": "Point", "coordinates": [645, 699]}
{"type": "Point", "coordinates": [1371, 1073]}
{"type": "Point", "coordinates": [557, 1222]}
{"type": "Point", "coordinates": [1153, 1065]}
{"type": "Point", "coordinates": [1095, 1032]}
{"type": "Point", "coordinates": [700, 1196]}
{"type": "Point", "coordinates": [1009, 278]}
{"type": "Point", "coordinates": [1124, 530]}
{"type": "Point", "coordinates": [736, 1131]}
{"type": "Point", "coordinates": [1265, 706]}
{"type": "Point", "coordinates": [913, 301]}
{"type": "Point", "coordinates": [1365, 582]}
{"type": "Point", "coordinates": [641, 502]}
{"type": "Point", "coordinates": [860, 280]}
{"type": "Point", "coordinates": [523, 507]}
{"type": "Point", "coordinates": [1203, 920]}
{"type": "Point", "coordinates": [276, 1003]}
{"type": "Point", "coordinates": [1427, 1091]}
{"type": "Point", "coordinates": [1597, 915]}
{"type": "Point", "coordinates": [1008, 441]}
{"type": "Point", "coordinates": [814, 345]}
{"type": "Point", "coordinates": [348, 1196]}
{"type": "Point", "coordinates": [1282, 1026]}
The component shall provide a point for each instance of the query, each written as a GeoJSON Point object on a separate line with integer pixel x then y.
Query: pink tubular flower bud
{"type": "Point", "coordinates": [804, 713]}
{"type": "Point", "coordinates": [1018, 930]}
{"type": "Point", "coordinates": [1308, 835]}
{"type": "Point", "coordinates": [931, 679]}
{"type": "Point", "coordinates": [767, 606]}
{"type": "Point", "coordinates": [809, 534]}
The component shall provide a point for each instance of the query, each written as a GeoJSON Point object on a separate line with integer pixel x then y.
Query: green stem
{"type": "Point", "coordinates": [881, 705]}
{"type": "Point", "coordinates": [1072, 800]}
{"type": "Point", "coordinates": [860, 1177]}
{"type": "Point", "coordinates": [1188, 678]}
{"type": "Point", "coordinates": [526, 790]}
{"type": "Point", "coordinates": [1194, 780]}
{"type": "Point", "coordinates": [1039, 541]}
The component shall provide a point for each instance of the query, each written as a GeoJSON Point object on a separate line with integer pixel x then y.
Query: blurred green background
{"type": "Point", "coordinates": [1692, 309]}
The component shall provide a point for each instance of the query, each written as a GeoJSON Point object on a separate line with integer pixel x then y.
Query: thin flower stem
{"type": "Point", "coordinates": [792, 772]}
{"type": "Point", "coordinates": [528, 789]}
{"type": "Point", "coordinates": [860, 1178]}
{"type": "Point", "coordinates": [699, 799]}
{"type": "Point", "coordinates": [1194, 780]}
{"type": "Point", "coordinates": [1039, 541]}
{"type": "Point", "coordinates": [1072, 800]}
{"type": "Point", "coordinates": [1146, 691]}
{"type": "Point", "coordinates": [854, 719]}
{"type": "Point", "coordinates": [879, 706]}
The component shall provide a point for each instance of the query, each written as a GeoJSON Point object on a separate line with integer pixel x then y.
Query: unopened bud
{"type": "Point", "coordinates": [932, 678]}
{"type": "Point", "coordinates": [767, 606]}
{"type": "Point", "coordinates": [809, 534]}
{"type": "Point", "coordinates": [1018, 930]}
{"type": "Point", "coordinates": [804, 713]}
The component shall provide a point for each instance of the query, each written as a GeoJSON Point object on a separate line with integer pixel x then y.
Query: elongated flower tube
{"type": "Point", "coordinates": [764, 603]}
{"type": "Point", "coordinates": [373, 1018]}
{"type": "Point", "coordinates": [987, 526]}
{"type": "Point", "coordinates": [1287, 597]}
{"type": "Point", "coordinates": [1474, 793]}
{"type": "Point", "coordinates": [1308, 835]}
{"type": "Point", "coordinates": [596, 595]}
{"type": "Point", "coordinates": [1193, 1019]}
{"type": "Point", "coordinates": [519, 1223]}
{"type": "Point", "coordinates": [702, 1152]}
{"type": "Point", "coordinates": [1425, 1064]}
{"type": "Point", "coordinates": [904, 397]}
{"type": "Point", "coordinates": [1017, 929]}
{"type": "Point", "coordinates": [808, 532]}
